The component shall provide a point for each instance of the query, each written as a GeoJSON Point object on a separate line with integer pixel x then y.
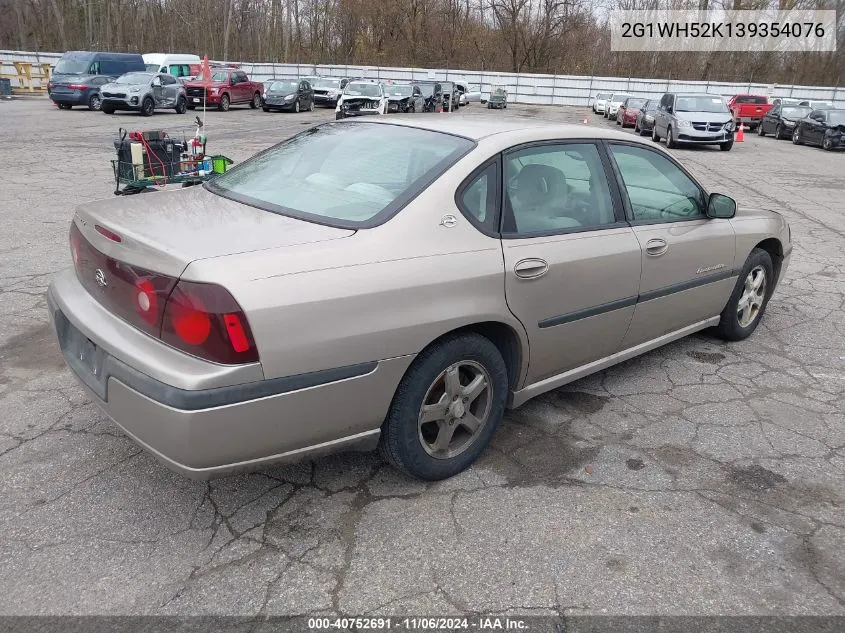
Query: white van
{"type": "Point", "coordinates": [176, 64]}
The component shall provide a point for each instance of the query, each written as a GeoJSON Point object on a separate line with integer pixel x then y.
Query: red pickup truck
{"type": "Point", "coordinates": [228, 86]}
{"type": "Point", "coordinates": [749, 109]}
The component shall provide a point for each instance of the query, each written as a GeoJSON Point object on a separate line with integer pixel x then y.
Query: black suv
{"type": "Point", "coordinates": [432, 94]}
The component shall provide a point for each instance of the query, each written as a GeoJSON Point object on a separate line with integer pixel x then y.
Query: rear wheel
{"type": "Point", "coordinates": [296, 106]}
{"type": "Point", "coordinates": [224, 104]}
{"type": "Point", "coordinates": [256, 101]}
{"type": "Point", "coordinates": [748, 301]}
{"type": "Point", "coordinates": [446, 407]}
{"type": "Point", "coordinates": [654, 135]}
{"type": "Point", "coordinates": [95, 102]}
{"type": "Point", "coordinates": [181, 105]}
{"type": "Point", "coordinates": [148, 106]}
{"type": "Point", "coordinates": [779, 131]}
{"type": "Point", "coordinates": [761, 131]}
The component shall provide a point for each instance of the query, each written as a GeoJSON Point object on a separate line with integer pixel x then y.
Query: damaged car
{"type": "Point", "coordinates": [360, 98]}
{"type": "Point", "coordinates": [403, 98]}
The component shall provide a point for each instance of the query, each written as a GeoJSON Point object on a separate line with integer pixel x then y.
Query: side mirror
{"type": "Point", "coordinates": [670, 109]}
{"type": "Point", "coordinates": [233, 81]}
{"type": "Point", "coordinates": [720, 206]}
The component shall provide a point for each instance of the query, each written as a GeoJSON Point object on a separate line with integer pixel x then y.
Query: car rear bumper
{"type": "Point", "coordinates": [75, 97]}
{"type": "Point", "coordinates": [231, 425]}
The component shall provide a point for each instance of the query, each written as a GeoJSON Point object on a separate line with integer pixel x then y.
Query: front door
{"type": "Point", "coordinates": [687, 258]}
{"type": "Point", "coordinates": [572, 265]}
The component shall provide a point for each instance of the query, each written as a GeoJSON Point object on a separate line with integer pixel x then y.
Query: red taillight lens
{"type": "Point", "coordinates": [77, 86]}
{"type": "Point", "coordinates": [206, 321]}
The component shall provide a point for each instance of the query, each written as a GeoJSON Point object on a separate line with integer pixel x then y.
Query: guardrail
{"type": "Point", "coordinates": [535, 89]}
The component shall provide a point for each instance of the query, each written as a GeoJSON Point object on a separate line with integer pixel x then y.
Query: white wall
{"type": "Point", "coordinates": [522, 88]}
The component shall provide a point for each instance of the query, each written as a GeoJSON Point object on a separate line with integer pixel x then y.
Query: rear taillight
{"type": "Point", "coordinates": [201, 319]}
{"type": "Point", "coordinates": [77, 86]}
{"type": "Point", "coordinates": [206, 321]}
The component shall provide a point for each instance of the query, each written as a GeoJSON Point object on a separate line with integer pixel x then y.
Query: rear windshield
{"type": "Point", "coordinates": [700, 104]}
{"type": "Point", "coordinates": [344, 174]}
{"type": "Point", "coordinates": [71, 66]}
{"type": "Point", "coordinates": [751, 99]}
{"type": "Point", "coordinates": [795, 112]}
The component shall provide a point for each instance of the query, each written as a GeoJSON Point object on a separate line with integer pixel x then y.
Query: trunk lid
{"type": "Point", "coordinates": [166, 231]}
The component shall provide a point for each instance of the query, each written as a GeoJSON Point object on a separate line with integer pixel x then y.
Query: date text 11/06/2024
{"type": "Point", "coordinates": [481, 623]}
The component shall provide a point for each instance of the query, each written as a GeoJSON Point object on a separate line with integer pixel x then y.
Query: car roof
{"type": "Point", "coordinates": [477, 129]}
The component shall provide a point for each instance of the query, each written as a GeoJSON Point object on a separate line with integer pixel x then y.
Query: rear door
{"type": "Point", "coordinates": [688, 259]}
{"type": "Point", "coordinates": [172, 88]}
{"type": "Point", "coordinates": [572, 264]}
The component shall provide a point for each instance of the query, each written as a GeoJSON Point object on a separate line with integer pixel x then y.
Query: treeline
{"type": "Point", "coordinates": [543, 36]}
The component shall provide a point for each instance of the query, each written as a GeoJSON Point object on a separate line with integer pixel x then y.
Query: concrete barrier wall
{"type": "Point", "coordinates": [522, 87]}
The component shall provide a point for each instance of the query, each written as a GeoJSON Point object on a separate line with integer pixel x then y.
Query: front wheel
{"type": "Point", "coordinates": [256, 101]}
{"type": "Point", "coordinates": [95, 102]}
{"type": "Point", "coordinates": [747, 304]}
{"type": "Point", "coordinates": [107, 109]}
{"type": "Point", "coordinates": [827, 142]}
{"type": "Point", "coordinates": [224, 104]}
{"type": "Point", "coordinates": [181, 105]}
{"type": "Point", "coordinates": [670, 139]}
{"type": "Point", "coordinates": [779, 132]}
{"type": "Point", "coordinates": [726, 147]}
{"type": "Point", "coordinates": [446, 408]}
{"type": "Point", "coordinates": [147, 107]}
{"type": "Point", "coordinates": [796, 137]}
{"type": "Point", "coordinates": [296, 106]}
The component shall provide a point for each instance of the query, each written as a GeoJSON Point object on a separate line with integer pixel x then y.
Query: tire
{"type": "Point", "coordinates": [733, 326]}
{"type": "Point", "coordinates": [412, 447]}
{"type": "Point", "coordinates": [95, 103]}
{"type": "Point", "coordinates": [726, 147]}
{"type": "Point", "coordinates": [310, 107]}
{"type": "Point", "coordinates": [181, 105]}
{"type": "Point", "coordinates": [796, 136]}
{"type": "Point", "coordinates": [779, 132]}
{"type": "Point", "coordinates": [224, 104]}
{"type": "Point", "coordinates": [760, 131]}
{"type": "Point", "coordinates": [619, 121]}
{"type": "Point", "coordinates": [338, 116]}
{"type": "Point", "coordinates": [637, 127]}
{"type": "Point", "coordinates": [654, 135]}
{"type": "Point", "coordinates": [670, 141]}
{"type": "Point", "coordinates": [256, 101]}
{"type": "Point", "coordinates": [296, 106]}
{"type": "Point", "coordinates": [827, 142]}
{"type": "Point", "coordinates": [148, 107]}
{"type": "Point", "coordinates": [107, 109]}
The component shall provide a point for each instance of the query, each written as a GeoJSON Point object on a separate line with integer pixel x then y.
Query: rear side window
{"type": "Point", "coordinates": [349, 174]}
{"type": "Point", "coordinates": [478, 198]}
{"type": "Point", "coordinates": [658, 190]}
{"type": "Point", "coordinates": [556, 188]}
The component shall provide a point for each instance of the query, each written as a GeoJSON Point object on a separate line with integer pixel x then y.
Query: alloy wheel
{"type": "Point", "coordinates": [753, 296]}
{"type": "Point", "coordinates": [455, 409]}
{"type": "Point", "coordinates": [95, 103]}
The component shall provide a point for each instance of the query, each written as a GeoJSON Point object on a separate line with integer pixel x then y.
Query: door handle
{"type": "Point", "coordinates": [531, 268]}
{"type": "Point", "coordinates": [656, 247]}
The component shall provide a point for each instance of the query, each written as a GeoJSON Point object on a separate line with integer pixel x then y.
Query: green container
{"type": "Point", "coordinates": [218, 164]}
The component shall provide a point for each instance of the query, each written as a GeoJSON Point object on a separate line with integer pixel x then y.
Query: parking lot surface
{"type": "Point", "coordinates": [701, 478]}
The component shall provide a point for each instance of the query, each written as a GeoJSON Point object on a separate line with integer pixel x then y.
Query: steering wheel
{"type": "Point", "coordinates": [667, 211]}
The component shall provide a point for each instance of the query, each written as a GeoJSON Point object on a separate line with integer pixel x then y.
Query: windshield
{"type": "Point", "coordinates": [72, 66]}
{"type": "Point", "coordinates": [356, 89]}
{"type": "Point", "coordinates": [795, 113]}
{"type": "Point", "coordinates": [322, 82]}
{"type": "Point", "coordinates": [426, 89]}
{"type": "Point", "coordinates": [216, 75]}
{"type": "Point", "coordinates": [151, 68]}
{"type": "Point", "coordinates": [283, 86]}
{"type": "Point", "coordinates": [700, 104]}
{"type": "Point", "coordinates": [603, 96]}
{"type": "Point", "coordinates": [635, 103]}
{"type": "Point", "coordinates": [836, 117]}
{"type": "Point", "coordinates": [135, 78]}
{"type": "Point", "coordinates": [399, 91]}
{"type": "Point", "coordinates": [348, 172]}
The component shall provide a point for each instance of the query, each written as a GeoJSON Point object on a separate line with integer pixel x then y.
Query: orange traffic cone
{"type": "Point", "coordinates": [740, 134]}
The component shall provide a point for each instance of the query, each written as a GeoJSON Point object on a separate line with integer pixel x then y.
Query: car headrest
{"type": "Point", "coordinates": [539, 183]}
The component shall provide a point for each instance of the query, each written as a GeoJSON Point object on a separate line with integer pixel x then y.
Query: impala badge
{"type": "Point", "coordinates": [100, 278]}
{"type": "Point", "coordinates": [448, 221]}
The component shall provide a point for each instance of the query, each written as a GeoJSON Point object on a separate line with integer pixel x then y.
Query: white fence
{"type": "Point", "coordinates": [522, 87]}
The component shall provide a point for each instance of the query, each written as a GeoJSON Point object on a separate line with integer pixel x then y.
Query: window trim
{"type": "Point", "coordinates": [388, 212]}
{"type": "Point", "coordinates": [629, 214]}
{"type": "Point", "coordinates": [497, 192]}
{"type": "Point", "coordinates": [616, 201]}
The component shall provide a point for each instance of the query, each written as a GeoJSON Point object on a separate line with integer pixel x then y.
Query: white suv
{"type": "Point", "coordinates": [613, 103]}
{"type": "Point", "coordinates": [361, 97]}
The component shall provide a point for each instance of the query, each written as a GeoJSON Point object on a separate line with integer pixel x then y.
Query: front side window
{"type": "Point", "coordinates": [556, 188]}
{"type": "Point", "coordinates": [342, 174]}
{"type": "Point", "coordinates": [657, 188]}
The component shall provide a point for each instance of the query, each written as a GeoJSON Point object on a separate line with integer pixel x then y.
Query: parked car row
{"type": "Point", "coordinates": [705, 119]}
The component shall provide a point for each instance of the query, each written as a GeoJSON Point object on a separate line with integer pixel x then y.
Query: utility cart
{"type": "Point", "coordinates": [151, 160]}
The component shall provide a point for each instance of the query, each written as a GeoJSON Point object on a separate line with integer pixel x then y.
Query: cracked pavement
{"type": "Point", "coordinates": [701, 478]}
